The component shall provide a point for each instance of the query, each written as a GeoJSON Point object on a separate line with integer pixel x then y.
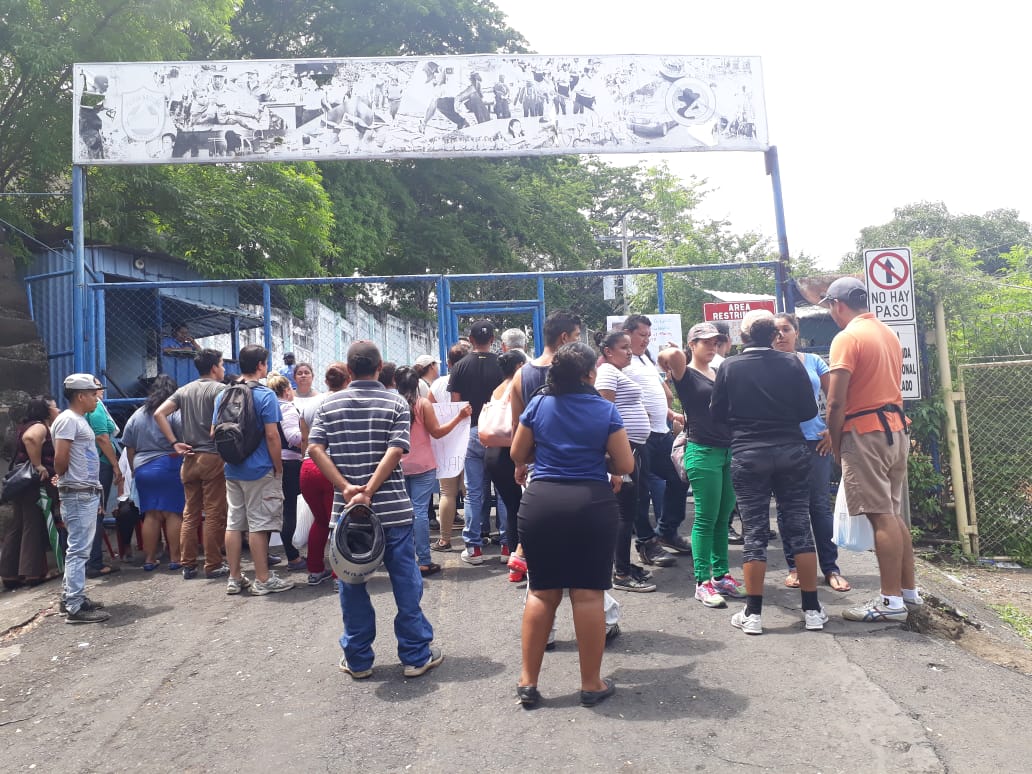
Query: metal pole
{"type": "Point", "coordinates": [624, 262]}
{"type": "Point", "coordinates": [774, 170]}
{"type": "Point", "coordinates": [79, 281]}
{"type": "Point", "coordinates": [952, 437]}
{"type": "Point", "coordinates": [660, 293]}
{"type": "Point", "coordinates": [159, 322]}
{"type": "Point", "coordinates": [267, 308]}
{"type": "Point", "coordinates": [101, 328]}
{"type": "Point", "coordinates": [442, 323]}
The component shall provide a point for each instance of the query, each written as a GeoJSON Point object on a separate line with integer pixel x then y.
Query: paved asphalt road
{"type": "Point", "coordinates": [184, 678]}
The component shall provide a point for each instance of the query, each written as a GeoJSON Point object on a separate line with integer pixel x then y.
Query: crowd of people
{"type": "Point", "coordinates": [571, 441]}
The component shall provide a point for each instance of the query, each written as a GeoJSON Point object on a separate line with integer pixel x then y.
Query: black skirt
{"type": "Point", "coordinates": [568, 531]}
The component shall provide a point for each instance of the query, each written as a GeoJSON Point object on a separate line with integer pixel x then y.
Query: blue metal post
{"type": "Point", "coordinates": [79, 283]}
{"type": "Point", "coordinates": [660, 292]}
{"type": "Point", "coordinates": [101, 328]}
{"type": "Point", "coordinates": [234, 345]}
{"type": "Point", "coordinates": [539, 318]}
{"type": "Point", "coordinates": [267, 310]}
{"type": "Point", "coordinates": [442, 329]}
{"type": "Point", "coordinates": [774, 170]}
{"type": "Point", "coordinates": [779, 288]}
{"type": "Point", "coordinates": [539, 329]}
{"type": "Point", "coordinates": [89, 352]}
{"type": "Point", "coordinates": [159, 322]}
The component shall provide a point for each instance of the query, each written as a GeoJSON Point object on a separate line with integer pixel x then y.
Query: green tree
{"type": "Point", "coordinates": [286, 29]}
{"type": "Point", "coordinates": [39, 41]}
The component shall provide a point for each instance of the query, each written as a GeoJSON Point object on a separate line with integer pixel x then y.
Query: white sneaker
{"type": "Point", "coordinates": [472, 555]}
{"type": "Point", "coordinates": [750, 624]}
{"type": "Point", "coordinates": [815, 619]}
{"type": "Point", "coordinates": [236, 585]}
{"type": "Point", "coordinates": [917, 601]}
{"type": "Point", "coordinates": [273, 585]}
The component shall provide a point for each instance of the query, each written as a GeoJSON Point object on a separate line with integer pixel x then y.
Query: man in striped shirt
{"type": "Point", "coordinates": [357, 440]}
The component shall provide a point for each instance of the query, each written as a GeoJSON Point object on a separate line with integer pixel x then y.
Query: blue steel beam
{"type": "Point", "coordinates": [79, 268]}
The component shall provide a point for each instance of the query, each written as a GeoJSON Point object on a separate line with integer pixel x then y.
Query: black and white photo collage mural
{"type": "Point", "coordinates": [499, 105]}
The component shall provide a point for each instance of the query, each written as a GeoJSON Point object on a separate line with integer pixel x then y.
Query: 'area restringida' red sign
{"type": "Point", "coordinates": [732, 313]}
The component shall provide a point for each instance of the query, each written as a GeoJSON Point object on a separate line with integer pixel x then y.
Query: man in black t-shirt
{"type": "Point", "coordinates": [474, 379]}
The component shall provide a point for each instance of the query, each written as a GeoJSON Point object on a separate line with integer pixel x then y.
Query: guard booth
{"type": "Point", "coordinates": [126, 352]}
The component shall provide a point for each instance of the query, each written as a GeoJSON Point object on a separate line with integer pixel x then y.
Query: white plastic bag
{"type": "Point", "coordinates": [852, 533]}
{"type": "Point", "coordinates": [305, 519]}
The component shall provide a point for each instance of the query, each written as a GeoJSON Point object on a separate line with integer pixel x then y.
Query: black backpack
{"type": "Point", "coordinates": [238, 431]}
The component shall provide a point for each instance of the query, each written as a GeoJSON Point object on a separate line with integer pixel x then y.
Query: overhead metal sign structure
{"type": "Point", "coordinates": [415, 107]}
{"type": "Point", "coordinates": [129, 113]}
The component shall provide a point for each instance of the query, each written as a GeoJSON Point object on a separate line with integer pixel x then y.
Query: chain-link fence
{"type": "Point", "coordinates": [141, 332]}
{"type": "Point", "coordinates": [594, 297]}
{"type": "Point", "coordinates": [997, 432]}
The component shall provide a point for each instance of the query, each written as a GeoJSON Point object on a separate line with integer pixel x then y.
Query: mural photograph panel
{"type": "Point", "coordinates": [497, 105]}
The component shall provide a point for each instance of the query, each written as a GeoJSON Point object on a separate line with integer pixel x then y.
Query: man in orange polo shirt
{"type": "Point", "coordinates": [870, 440]}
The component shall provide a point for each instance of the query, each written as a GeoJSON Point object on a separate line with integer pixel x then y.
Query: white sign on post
{"type": "Point", "coordinates": [665, 328]}
{"type": "Point", "coordinates": [450, 451]}
{"type": "Point", "coordinates": [910, 385]}
{"type": "Point", "coordinates": [890, 284]}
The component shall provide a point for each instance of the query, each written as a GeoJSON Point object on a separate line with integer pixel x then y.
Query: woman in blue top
{"type": "Point", "coordinates": [817, 438]}
{"type": "Point", "coordinates": [568, 515]}
{"type": "Point", "coordinates": [156, 472]}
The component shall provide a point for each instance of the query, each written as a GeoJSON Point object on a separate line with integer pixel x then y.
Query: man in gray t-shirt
{"type": "Point", "coordinates": [78, 488]}
{"type": "Point", "coordinates": [203, 473]}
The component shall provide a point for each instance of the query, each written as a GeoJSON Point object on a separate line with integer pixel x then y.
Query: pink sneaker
{"type": "Point", "coordinates": [709, 596]}
{"type": "Point", "coordinates": [729, 587]}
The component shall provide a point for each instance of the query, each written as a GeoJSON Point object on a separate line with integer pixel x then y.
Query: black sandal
{"type": "Point", "coordinates": [429, 569]}
{"type": "Point", "coordinates": [528, 696]}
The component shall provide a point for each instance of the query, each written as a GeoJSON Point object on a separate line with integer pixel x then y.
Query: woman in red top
{"type": "Point", "coordinates": [318, 492]}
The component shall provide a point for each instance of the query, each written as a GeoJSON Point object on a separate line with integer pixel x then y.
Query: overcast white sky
{"type": "Point", "coordinates": [872, 105]}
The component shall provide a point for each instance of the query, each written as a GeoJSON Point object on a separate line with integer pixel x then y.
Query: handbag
{"type": "Point", "coordinates": [20, 479]}
{"type": "Point", "coordinates": [853, 533]}
{"type": "Point", "coordinates": [677, 455]}
{"type": "Point", "coordinates": [495, 425]}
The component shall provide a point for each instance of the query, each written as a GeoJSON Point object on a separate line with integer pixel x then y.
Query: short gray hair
{"type": "Point", "coordinates": [514, 338]}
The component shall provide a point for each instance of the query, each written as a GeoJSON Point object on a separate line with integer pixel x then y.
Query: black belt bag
{"type": "Point", "coordinates": [883, 416]}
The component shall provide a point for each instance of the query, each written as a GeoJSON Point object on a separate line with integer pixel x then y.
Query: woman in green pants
{"type": "Point", "coordinates": [707, 458]}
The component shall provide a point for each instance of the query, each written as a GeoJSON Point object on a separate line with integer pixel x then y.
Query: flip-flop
{"type": "Point", "coordinates": [837, 582]}
{"type": "Point", "coordinates": [792, 580]}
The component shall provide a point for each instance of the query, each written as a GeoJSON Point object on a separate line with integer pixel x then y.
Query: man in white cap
{"type": "Point", "coordinates": [869, 438]}
{"type": "Point", "coordinates": [78, 484]}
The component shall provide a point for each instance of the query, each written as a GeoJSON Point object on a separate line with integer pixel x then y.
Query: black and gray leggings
{"type": "Point", "coordinates": [782, 471]}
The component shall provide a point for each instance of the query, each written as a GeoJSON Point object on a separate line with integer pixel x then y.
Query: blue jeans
{"type": "Point", "coordinates": [675, 496]}
{"type": "Point", "coordinates": [95, 563]}
{"type": "Point", "coordinates": [783, 471]}
{"type": "Point", "coordinates": [476, 482]}
{"type": "Point", "coordinates": [420, 488]}
{"type": "Point", "coordinates": [413, 631]}
{"type": "Point", "coordinates": [79, 512]}
{"type": "Point", "coordinates": [821, 517]}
